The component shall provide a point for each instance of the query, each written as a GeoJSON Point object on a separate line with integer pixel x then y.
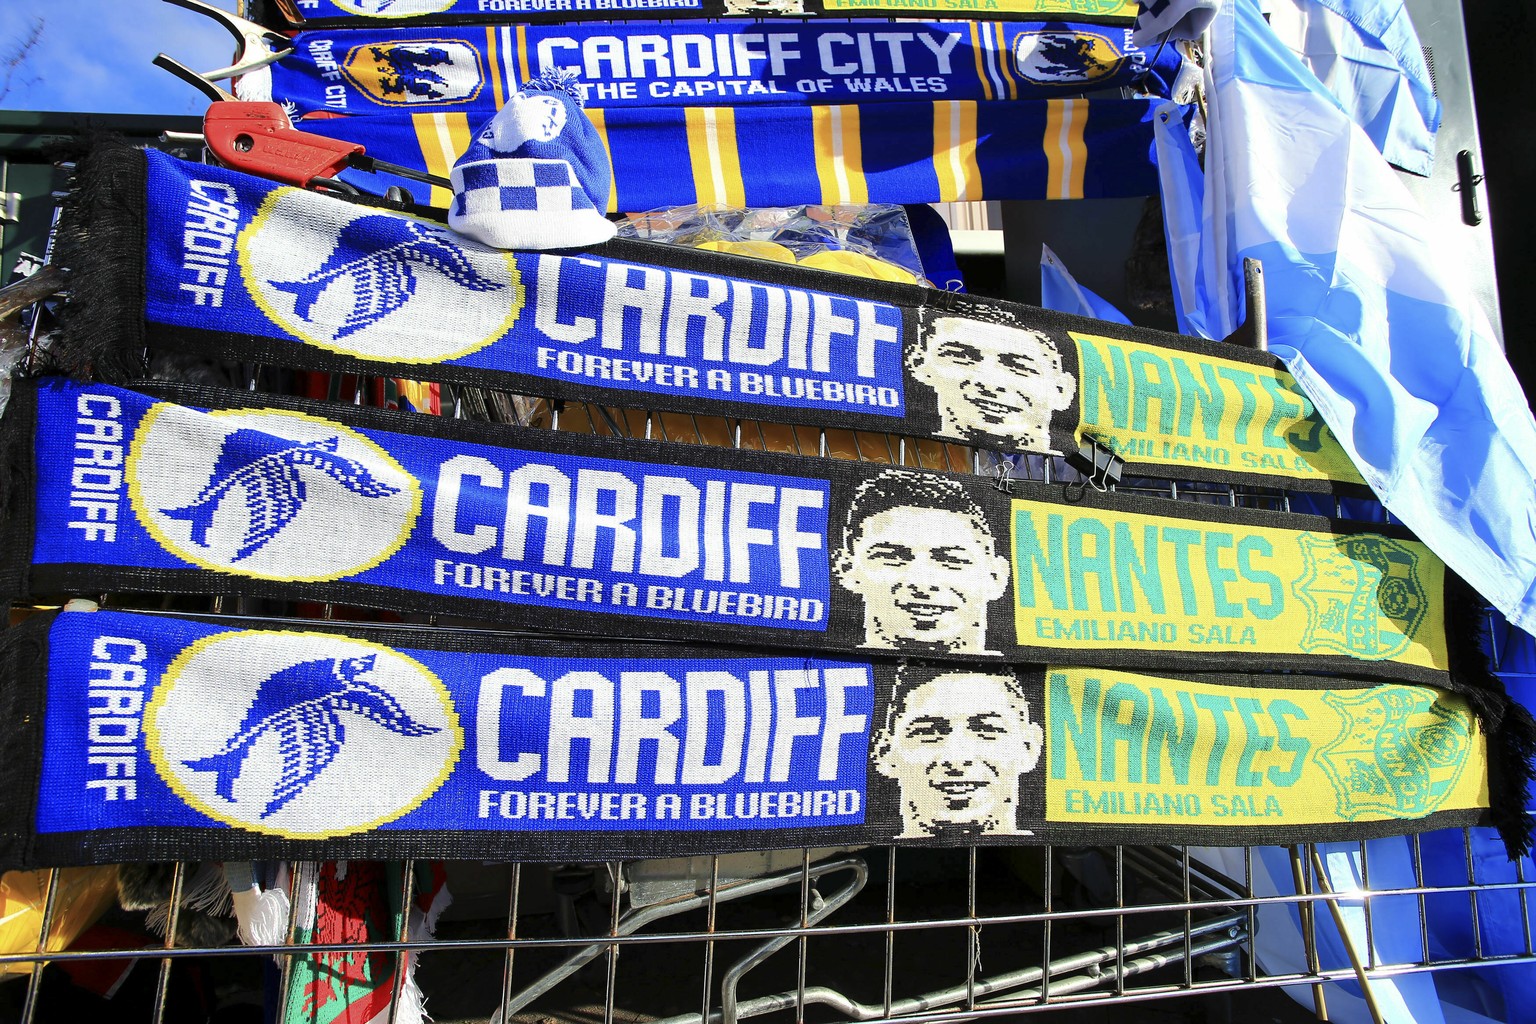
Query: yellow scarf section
{"type": "Point", "coordinates": [1128, 748]}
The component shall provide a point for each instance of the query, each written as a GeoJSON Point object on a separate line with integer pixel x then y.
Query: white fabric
{"type": "Point", "coordinates": [1172, 20]}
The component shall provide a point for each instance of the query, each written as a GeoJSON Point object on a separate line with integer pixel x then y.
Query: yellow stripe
{"type": "Point", "coordinates": [1066, 154]}
{"type": "Point", "coordinates": [522, 57]}
{"type": "Point", "coordinates": [970, 170]}
{"type": "Point", "coordinates": [1077, 146]}
{"type": "Point", "coordinates": [1051, 146]}
{"type": "Point", "coordinates": [954, 151]}
{"type": "Point", "coordinates": [730, 155]}
{"type": "Point", "coordinates": [708, 187]}
{"type": "Point", "coordinates": [1003, 60]}
{"type": "Point", "coordinates": [460, 134]}
{"type": "Point", "coordinates": [712, 152]}
{"type": "Point", "coordinates": [981, 64]}
{"type": "Point", "coordinates": [943, 135]}
{"type": "Point", "coordinates": [495, 61]}
{"type": "Point", "coordinates": [441, 138]}
{"type": "Point", "coordinates": [821, 131]}
{"type": "Point", "coordinates": [839, 156]}
{"type": "Point", "coordinates": [598, 118]}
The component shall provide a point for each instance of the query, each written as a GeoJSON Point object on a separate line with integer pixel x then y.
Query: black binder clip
{"type": "Point", "coordinates": [1096, 463]}
{"type": "Point", "coordinates": [1002, 475]}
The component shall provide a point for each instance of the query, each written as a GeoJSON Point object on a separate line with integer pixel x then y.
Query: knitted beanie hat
{"type": "Point", "coordinates": [536, 176]}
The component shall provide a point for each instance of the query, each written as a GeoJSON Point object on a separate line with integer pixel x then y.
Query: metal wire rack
{"type": "Point", "coordinates": [869, 934]}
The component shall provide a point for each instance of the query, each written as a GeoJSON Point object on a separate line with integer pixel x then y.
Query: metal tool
{"type": "Point", "coordinates": [252, 38]}
{"type": "Point", "coordinates": [258, 138]}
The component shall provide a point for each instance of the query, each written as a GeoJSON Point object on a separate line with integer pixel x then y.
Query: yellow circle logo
{"type": "Point", "coordinates": [415, 72]}
{"type": "Point", "coordinates": [373, 284]}
{"type": "Point", "coordinates": [268, 494]}
{"type": "Point", "coordinates": [1065, 58]}
{"type": "Point", "coordinates": [393, 8]}
{"type": "Point", "coordinates": [301, 735]}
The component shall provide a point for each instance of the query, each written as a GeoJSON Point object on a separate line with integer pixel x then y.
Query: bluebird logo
{"type": "Point", "coordinates": [393, 8]}
{"type": "Point", "coordinates": [266, 468]}
{"type": "Point", "coordinates": [1066, 58]}
{"type": "Point", "coordinates": [374, 285]}
{"type": "Point", "coordinates": [269, 494]}
{"type": "Point", "coordinates": [303, 706]}
{"type": "Point", "coordinates": [427, 71]}
{"type": "Point", "coordinates": [301, 735]}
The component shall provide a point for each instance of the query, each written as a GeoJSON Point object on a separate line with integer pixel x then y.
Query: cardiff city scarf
{"type": "Point", "coordinates": [182, 489]}
{"type": "Point", "coordinates": [353, 13]}
{"type": "Point", "coordinates": [720, 63]}
{"type": "Point", "coordinates": [150, 737]}
{"type": "Point", "coordinates": [233, 266]}
{"type": "Point", "coordinates": [793, 154]}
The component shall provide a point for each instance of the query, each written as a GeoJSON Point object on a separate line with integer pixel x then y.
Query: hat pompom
{"type": "Point", "coordinates": [566, 80]}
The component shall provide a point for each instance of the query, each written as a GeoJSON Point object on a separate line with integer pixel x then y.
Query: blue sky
{"type": "Point", "coordinates": [94, 55]}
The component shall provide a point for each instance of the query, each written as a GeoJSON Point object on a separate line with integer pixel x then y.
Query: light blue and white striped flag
{"type": "Point", "coordinates": [1060, 291]}
{"type": "Point", "coordinates": [1368, 55]}
{"type": "Point", "coordinates": [1369, 309]}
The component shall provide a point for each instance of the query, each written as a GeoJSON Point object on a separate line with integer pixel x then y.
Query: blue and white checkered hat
{"type": "Point", "coordinates": [536, 176]}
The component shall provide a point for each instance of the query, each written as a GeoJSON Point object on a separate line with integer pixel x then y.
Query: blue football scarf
{"type": "Point", "coordinates": [180, 489]}
{"type": "Point", "coordinates": [138, 737]}
{"type": "Point", "coordinates": [713, 63]}
{"type": "Point", "coordinates": [229, 266]}
{"type": "Point", "coordinates": [353, 13]}
{"type": "Point", "coordinates": [792, 155]}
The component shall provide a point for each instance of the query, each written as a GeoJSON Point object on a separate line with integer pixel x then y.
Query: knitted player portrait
{"type": "Point", "coordinates": [957, 743]}
{"type": "Point", "coordinates": [917, 550]}
{"type": "Point", "coordinates": [996, 384]}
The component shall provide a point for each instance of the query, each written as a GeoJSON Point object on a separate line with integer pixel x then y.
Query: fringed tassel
{"type": "Point", "coordinates": [101, 242]}
{"type": "Point", "coordinates": [261, 915]}
{"type": "Point", "coordinates": [1510, 784]}
{"type": "Point", "coordinates": [1509, 727]}
{"type": "Point", "coordinates": [23, 661]}
{"type": "Point", "coordinates": [16, 437]}
{"type": "Point", "coordinates": [148, 887]}
{"type": "Point", "coordinates": [18, 431]}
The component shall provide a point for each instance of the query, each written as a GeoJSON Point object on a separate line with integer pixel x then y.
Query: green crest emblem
{"type": "Point", "coordinates": [1362, 595]}
{"type": "Point", "coordinates": [1401, 752]}
{"type": "Point", "coordinates": [1099, 7]}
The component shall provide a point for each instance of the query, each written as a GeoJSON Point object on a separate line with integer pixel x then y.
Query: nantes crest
{"type": "Point", "coordinates": [1362, 594]}
{"type": "Point", "coordinates": [1400, 754]}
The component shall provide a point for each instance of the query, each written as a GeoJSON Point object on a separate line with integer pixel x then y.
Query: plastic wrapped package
{"type": "Point", "coordinates": [871, 240]}
{"type": "Point", "coordinates": [84, 895]}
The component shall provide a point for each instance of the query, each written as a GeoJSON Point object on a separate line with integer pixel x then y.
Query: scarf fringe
{"type": "Point", "coordinates": [17, 480]}
{"type": "Point", "coordinates": [101, 242]}
{"type": "Point", "coordinates": [23, 655]}
{"type": "Point", "coordinates": [1509, 726]}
